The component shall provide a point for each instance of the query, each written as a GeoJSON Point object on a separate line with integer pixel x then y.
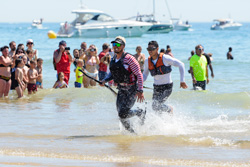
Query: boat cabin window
{"type": "Point", "coordinates": [102, 17]}
{"type": "Point", "coordinates": [86, 17]}
{"type": "Point", "coordinates": [82, 18]}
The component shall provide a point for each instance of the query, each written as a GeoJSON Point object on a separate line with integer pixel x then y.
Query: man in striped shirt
{"type": "Point", "coordinates": [125, 71]}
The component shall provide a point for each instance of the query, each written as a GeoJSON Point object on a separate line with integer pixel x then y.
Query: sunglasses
{"type": "Point", "coordinates": [151, 48]}
{"type": "Point", "coordinates": [92, 50]}
{"type": "Point", "coordinates": [116, 44]}
{"type": "Point", "coordinates": [19, 52]}
{"type": "Point", "coordinates": [200, 49]}
{"type": "Point", "coordinates": [30, 43]}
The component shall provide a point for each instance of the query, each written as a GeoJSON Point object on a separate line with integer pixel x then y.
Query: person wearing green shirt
{"type": "Point", "coordinates": [199, 69]}
{"type": "Point", "coordinates": [79, 74]}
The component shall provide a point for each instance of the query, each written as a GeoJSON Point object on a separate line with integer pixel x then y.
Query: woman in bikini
{"type": "Point", "coordinates": [5, 72]}
{"type": "Point", "coordinates": [92, 61]}
{"type": "Point", "coordinates": [140, 57]}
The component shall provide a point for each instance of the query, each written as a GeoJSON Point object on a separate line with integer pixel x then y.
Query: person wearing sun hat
{"type": "Point", "coordinates": [126, 72]}
{"type": "Point", "coordinates": [30, 45]}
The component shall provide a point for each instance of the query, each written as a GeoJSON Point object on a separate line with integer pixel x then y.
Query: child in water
{"type": "Point", "coordinates": [79, 74]}
{"type": "Point", "coordinates": [32, 75]}
{"type": "Point", "coordinates": [39, 68]}
{"type": "Point", "coordinates": [18, 83]}
{"type": "Point", "coordinates": [31, 55]}
{"type": "Point", "coordinates": [60, 83]}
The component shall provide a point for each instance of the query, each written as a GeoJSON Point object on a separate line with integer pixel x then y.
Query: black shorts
{"type": "Point", "coordinates": [201, 84]}
{"type": "Point", "coordinates": [160, 95]}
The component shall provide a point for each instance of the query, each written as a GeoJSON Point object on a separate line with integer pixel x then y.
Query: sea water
{"type": "Point", "coordinates": [80, 127]}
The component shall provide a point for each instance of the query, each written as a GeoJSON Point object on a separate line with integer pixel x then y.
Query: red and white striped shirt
{"type": "Point", "coordinates": [132, 65]}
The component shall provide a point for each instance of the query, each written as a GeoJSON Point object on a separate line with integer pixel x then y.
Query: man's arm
{"type": "Point", "coordinates": [207, 74]}
{"type": "Point", "coordinates": [168, 60]}
{"type": "Point", "coordinates": [212, 71]}
{"type": "Point", "coordinates": [57, 56]}
{"type": "Point", "coordinates": [136, 70]}
{"type": "Point", "coordinates": [177, 63]}
{"type": "Point", "coordinates": [209, 63]}
{"type": "Point", "coordinates": [70, 57]}
{"type": "Point", "coordinates": [192, 75]}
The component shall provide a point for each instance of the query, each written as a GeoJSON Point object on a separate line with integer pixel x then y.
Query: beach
{"type": "Point", "coordinates": [80, 127]}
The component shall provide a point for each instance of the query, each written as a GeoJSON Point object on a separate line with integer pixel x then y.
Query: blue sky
{"type": "Point", "coordinates": [60, 10]}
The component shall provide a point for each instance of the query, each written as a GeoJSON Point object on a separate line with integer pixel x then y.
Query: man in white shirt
{"type": "Point", "coordinates": [159, 66]}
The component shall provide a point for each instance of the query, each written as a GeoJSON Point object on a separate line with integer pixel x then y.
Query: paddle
{"type": "Point", "coordinates": [147, 87]}
{"type": "Point", "coordinates": [112, 90]}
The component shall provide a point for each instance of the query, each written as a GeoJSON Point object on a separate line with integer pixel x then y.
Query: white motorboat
{"type": "Point", "coordinates": [97, 24]}
{"type": "Point", "coordinates": [180, 26]}
{"type": "Point", "coordinates": [157, 27]}
{"type": "Point", "coordinates": [225, 24]}
{"type": "Point", "coordinates": [37, 24]}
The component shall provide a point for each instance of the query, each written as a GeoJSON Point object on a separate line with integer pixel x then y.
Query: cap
{"type": "Point", "coordinates": [29, 41]}
{"type": "Point", "coordinates": [120, 40]}
{"type": "Point", "coordinates": [62, 42]}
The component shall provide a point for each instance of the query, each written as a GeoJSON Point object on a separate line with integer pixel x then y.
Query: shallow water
{"type": "Point", "coordinates": [80, 127]}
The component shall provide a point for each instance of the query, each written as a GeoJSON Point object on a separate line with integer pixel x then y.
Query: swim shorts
{"type": "Point", "coordinates": [31, 87]}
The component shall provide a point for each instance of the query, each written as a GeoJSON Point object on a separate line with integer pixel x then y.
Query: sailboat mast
{"type": "Point", "coordinates": [168, 10]}
{"type": "Point", "coordinates": [154, 9]}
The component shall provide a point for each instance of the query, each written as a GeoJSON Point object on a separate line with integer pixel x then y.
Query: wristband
{"type": "Point", "coordinates": [140, 91]}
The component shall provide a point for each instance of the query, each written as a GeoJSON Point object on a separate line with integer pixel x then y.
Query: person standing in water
{"type": "Point", "coordinates": [104, 58]}
{"type": "Point", "coordinates": [209, 63]}
{"type": "Point", "coordinates": [39, 68]}
{"type": "Point", "coordinates": [63, 60]}
{"type": "Point", "coordinates": [192, 53]}
{"type": "Point", "coordinates": [229, 54]}
{"type": "Point", "coordinates": [12, 51]}
{"type": "Point", "coordinates": [159, 66]}
{"type": "Point", "coordinates": [92, 61]}
{"type": "Point", "coordinates": [199, 69]}
{"type": "Point", "coordinates": [18, 81]}
{"type": "Point", "coordinates": [169, 51]}
{"type": "Point", "coordinates": [60, 83]}
{"type": "Point", "coordinates": [5, 72]}
{"type": "Point", "coordinates": [30, 45]}
{"type": "Point", "coordinates": [140, 57]}
{"type": "Point", "coordinates": [125, 71]}
{"type": "Point", "coordinates": [32, 75]}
